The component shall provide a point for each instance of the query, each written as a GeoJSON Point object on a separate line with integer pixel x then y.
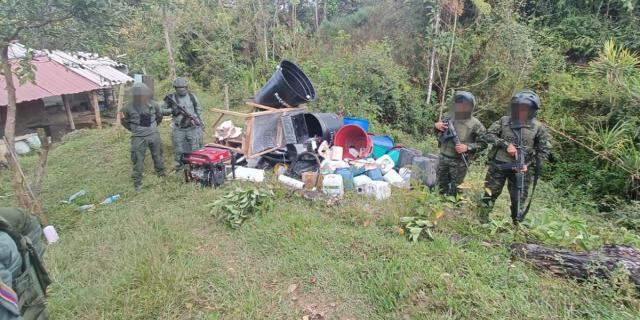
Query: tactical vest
{"type": "Point", "coordinates": [32, 283]}
{"type": "Point", "coordinates": [194, 104]}
{"type": "Point", "coordinates": [464, 128]}
{"type": "Point", "coordinates": [529, 133]}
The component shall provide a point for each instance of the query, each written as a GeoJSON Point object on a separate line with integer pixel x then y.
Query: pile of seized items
{"type": "Point", "coordinates": [307, 150]}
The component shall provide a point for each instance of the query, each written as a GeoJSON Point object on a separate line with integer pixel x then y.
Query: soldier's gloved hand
{"type": "Point", "coordinates": [512, 151]}
{"type": "Point", "coordinates": [441, 126]}
{"type": "Point", "coordinates": [462, 148]}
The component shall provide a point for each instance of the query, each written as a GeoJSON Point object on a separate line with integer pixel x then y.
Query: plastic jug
{"type": "Point", "coordinates": [394, 179]}
{"type": "Point", "coordinates": [375, 174]}
{"type": "Point", "coordinates": [332, 185]}
{"type": "Point", "coordinates": [360, 183]}
{"type": "Point", "coordinates": [347, 178]}
{"type": "Point", "coordinates": [385, 163]}
{"type": "Point", "coordinates": [379, 189]}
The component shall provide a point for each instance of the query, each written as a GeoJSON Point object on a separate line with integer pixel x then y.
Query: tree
{"type": "Point", "coordinates": [28, 21]}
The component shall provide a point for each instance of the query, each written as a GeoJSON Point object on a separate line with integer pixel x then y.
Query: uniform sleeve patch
{"type": "Point", "coordinates": [7, 294]}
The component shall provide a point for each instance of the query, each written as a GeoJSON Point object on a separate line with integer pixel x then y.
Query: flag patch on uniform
{"type": "Point", "coordinates": [6, 293]}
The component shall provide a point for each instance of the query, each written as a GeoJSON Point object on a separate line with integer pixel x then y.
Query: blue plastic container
{"type": "Point", "coordinates": [360, 122]}
{"type": "Point", "coordinates": [375, 174]}
{"type": "Point", "coordinates": [347, 178]}
{"type": "Point", "coordinates": [381, 145]}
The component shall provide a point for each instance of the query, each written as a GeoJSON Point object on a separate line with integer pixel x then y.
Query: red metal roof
{"type": "Point", "coordinates": [51, 79]}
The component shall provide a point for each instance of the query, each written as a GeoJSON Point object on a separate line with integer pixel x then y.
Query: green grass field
{"type": "Point", "coordinates": [159, 254]}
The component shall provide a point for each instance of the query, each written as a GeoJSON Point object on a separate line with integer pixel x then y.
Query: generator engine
{"type": "Point", "coordinates": [207, 166]}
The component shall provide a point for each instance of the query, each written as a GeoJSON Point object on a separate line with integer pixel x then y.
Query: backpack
{"type": "Point", "coordinates": [31, 285]}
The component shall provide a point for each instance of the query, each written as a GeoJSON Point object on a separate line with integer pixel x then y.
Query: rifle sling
{"type": "Point", "coordinates": [533, 189]}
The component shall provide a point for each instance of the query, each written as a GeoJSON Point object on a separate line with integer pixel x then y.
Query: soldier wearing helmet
{"type": "Point", "coordinates": [142, 118]}
{"type": "Point", "coordinates": [454, 157]}
{"type": "Point", "coordinates": [186, 135]}
{"type": "Point", "coordinates": [503, 136]}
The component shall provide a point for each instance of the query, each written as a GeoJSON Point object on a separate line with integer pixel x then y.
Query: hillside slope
{"type": "Point", "coordinates": [159, 254]}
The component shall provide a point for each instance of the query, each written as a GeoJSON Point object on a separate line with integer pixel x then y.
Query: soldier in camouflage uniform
{"type": "Point", "coordinates": [23, 278]}
{"type": "Point", "coordinates": [502, 135]}
{"type": "Point", "coordinates": [452, 168]}
{"type": "Point", "coordinates": [187, 136]}
{"type": "Point", "coordinates": [142, 118]}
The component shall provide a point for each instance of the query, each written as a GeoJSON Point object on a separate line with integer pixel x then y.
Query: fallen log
{"type": "Point", "coordinates": [582, 265]}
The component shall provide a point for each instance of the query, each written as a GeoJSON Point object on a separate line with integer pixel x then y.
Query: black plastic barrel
{"type": "Point", "coordinates": [287, 87]}
{"type": "Point", "coordinates": [324, 125]}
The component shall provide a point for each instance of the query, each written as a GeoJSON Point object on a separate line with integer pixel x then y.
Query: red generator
{"type": "Point", "coordinates": [207, 166]}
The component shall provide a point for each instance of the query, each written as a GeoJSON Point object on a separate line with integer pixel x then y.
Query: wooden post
{"type": "Point", "coordinates": [93, 98]}
{"type": "Point", "coordinates": [120, 103]}
{"type": "Point", "coordinates": [226, 96]}
{"type": "Point", "coordinates": [67, 108]}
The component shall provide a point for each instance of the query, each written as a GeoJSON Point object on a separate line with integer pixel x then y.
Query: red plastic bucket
{"type": "Point", "coordinates": [353, 138]}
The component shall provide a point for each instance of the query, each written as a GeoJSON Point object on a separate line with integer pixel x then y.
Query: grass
{"type": "Point", "coordinates": [160, 254]}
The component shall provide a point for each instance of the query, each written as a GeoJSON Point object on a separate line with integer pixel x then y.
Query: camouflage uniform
{"type": "Point", "coordinates": [451, 168]}
{"type": "Point", "coordinates": [23, 278]}
{"type": "Point", "coordinates": [185, 136]}
{"type": "Point", "coordinates": [143, 123]}
{"type": "Point", "coordinates": [26, 224]}
{"type": "Point", "coordinates": [537, 143]}
{"type": "Point", "coordinates": [10, 265]}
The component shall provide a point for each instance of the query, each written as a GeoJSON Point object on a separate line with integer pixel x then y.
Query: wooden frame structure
{"type": "Point", "coordinates": [243, 145]}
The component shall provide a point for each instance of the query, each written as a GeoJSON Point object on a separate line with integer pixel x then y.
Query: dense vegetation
{"type": "Point", "coordinates": [161, 254]}
{"type": "Point", "coordinates": [374, 58]}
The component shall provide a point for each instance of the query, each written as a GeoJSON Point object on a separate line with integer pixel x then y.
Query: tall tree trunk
{"type": "Point", "coordinates": [263, 18]}
{"type": "Point", "coordinates": [315, 5]}
{"type": "Point", "coordinates": [38, 173]}
{"type": "Point", "coordinates": [446, 76]}
{"type": "Point", "coordinates": [276, 24]}
{"type": "Point", "coordinates": [166, 28]}
{"type": "Point", "coordinates": [22, 199]}
{"type": "Point", "coordinates": [432, 64]}
{"type": "Point", "coordinates": [324, 10]}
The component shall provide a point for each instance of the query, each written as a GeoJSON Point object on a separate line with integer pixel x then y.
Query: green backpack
{"type": "Point", "coordinates": [31, 285]}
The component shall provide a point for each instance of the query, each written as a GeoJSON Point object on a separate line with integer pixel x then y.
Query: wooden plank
{"type": "Point", "coordinates": [120, 103]}
{"type": "Point", "coordinates": [226, 96]}
{"type": "Point", "coordinates": [231, 113]}
{"type": "Point", "coordinates": [215, 123]}
{"type": "Point", "coordinates": [67, 108]}
{"type": "Point", "coordinates": [259, 106]}
{"type": "Point", "coordinates": [263, 152]}
{"type": "Point", "coordinates": [93, 98]}
{"type": "Point", "coordinates": [248, 138]}
{"type": "Point", "coordinates": [276, 111]}
{"type": "Point", "coordinates": [217, 145]}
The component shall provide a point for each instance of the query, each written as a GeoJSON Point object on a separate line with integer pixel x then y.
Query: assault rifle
{"type": "Point", "coordinates": [186, 115]}
{"type": "Point", "coordinates": [518, 166]}
{"type": "Point", "coordinates": [451, 133]}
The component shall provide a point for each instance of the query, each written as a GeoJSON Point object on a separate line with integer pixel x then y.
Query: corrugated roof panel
{"type": "Point", "coordinates": [100, 70]}
{"type": "Point", "coordinates": [51, 79]}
